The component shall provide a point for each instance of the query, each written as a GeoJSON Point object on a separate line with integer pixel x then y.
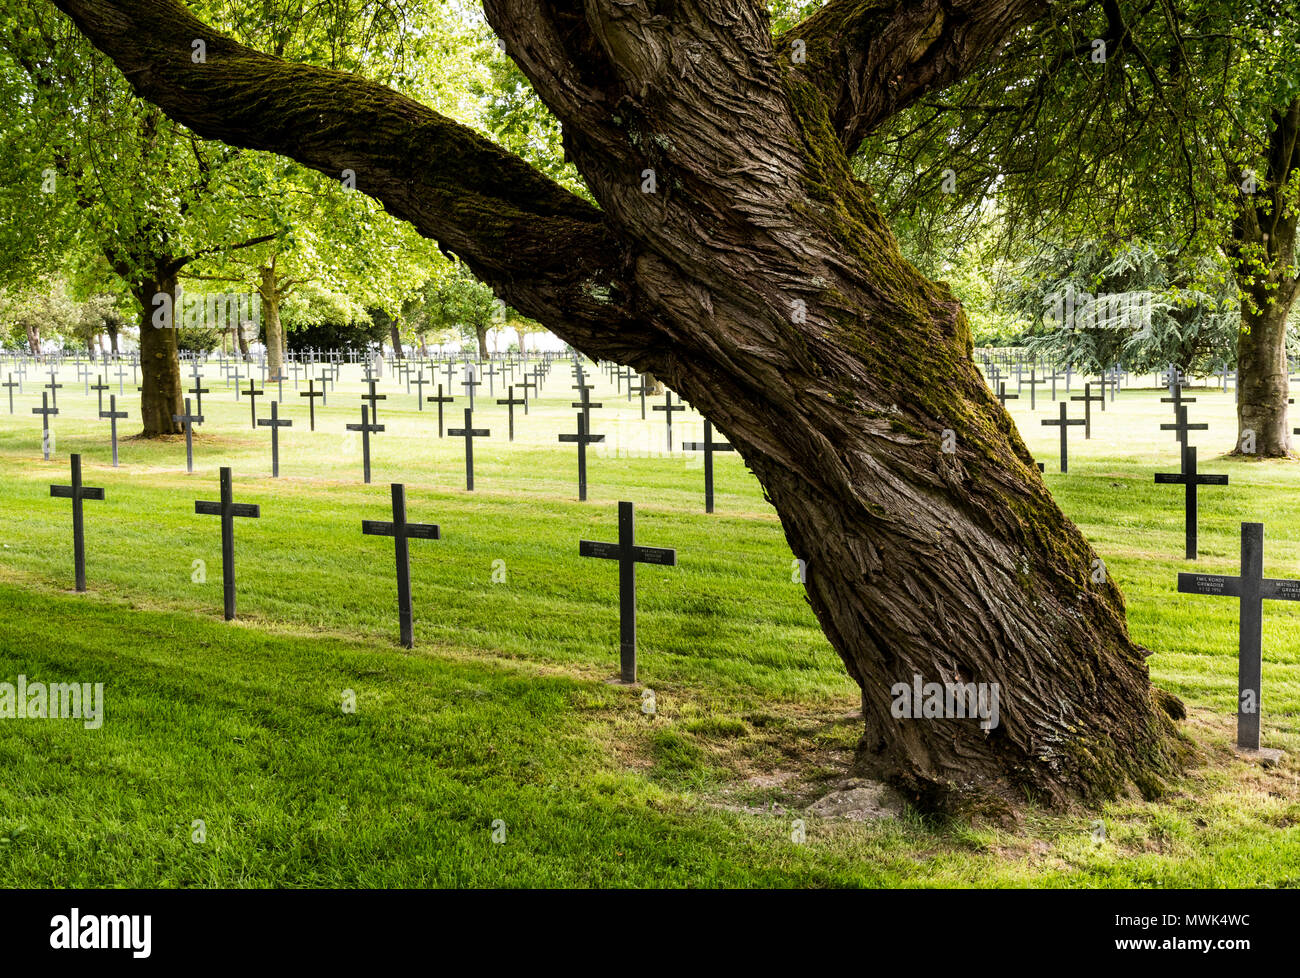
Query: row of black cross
{"type": "Point", "coordinates": [626, 551]}
{"type": "Point", "coordinates": [369, 425]}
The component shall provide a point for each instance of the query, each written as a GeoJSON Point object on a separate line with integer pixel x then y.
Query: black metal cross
{"type": "Point", "coordinates": [471, 383]}
{"type": "Point", "coordinates": [113, 414]}
{"type": "Point", "coordinates": [366, 427]}
{"type": "Point", "coordinates": [227, 509]}
{"type": "Point", "coordinates": [1088, 400]}
{"type": "Point", "coordinates": [1252, 588]}
{"type": "Point", "coordinates": [586, 403]}
{"type": "Point", "coordinates": [253, 394]}
{"type": "Point", "coordinates": [401, 532]}
{"type": "Point", "coordinates": [708, 447]}
{"type": "Point", "coordinates": [98, 387]}
{"type": "Point", "coordinates": [1177, 400]}
{"type": "Point", "coordinates": [1190, 479]}
{"type": "Point", "coordinates": [1002, 394]}
{"type": "Point", "coordinates": [527, 385]}
{"type": "Point", "coordinates": [1064, 423]}
{"type": "Point", "coordinates": [419, 387]}
{"type": "Point", "coordinates": [1183, 427]}
{"type": "Point", "coordinates": [311, 393]}
{"type": "Point", "coordinates": [374, 399]}
{"type": "Point", "coordinates": [1173, 378]}
{"type": "Point", "coordinates": [469, 433]}
{"type": "Point", "coordinates": [510, 401]}
{"type": "Point", "coordinates": [11, 384]}
{"type": "Point", "coordinates": [583, 439]}
{"type": "Point", "coordinates": [628, 554]}
{"type": "Point", "coordinates": [189, 420]}
{"type": "Point", "coordinates": [1034, 381]}
{"type": "Point", "coordinates": [668, 407]}
{"type": "Point", "coordinates": [45, 411]}
{"type": "Point", "coordinates": [77, 492]}
{"type": "Point", "coordinates": [440, 400]}
{"type": "Point", "coordinates": [275, 424]}
{"type": "Point", "coordinates": [198, 390]}
{"type": "Point", "coordinates": [54, 387]}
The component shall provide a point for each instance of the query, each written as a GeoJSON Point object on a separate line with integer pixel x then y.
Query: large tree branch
{"type": "Point", "coordinates": [872, 58]}
{"type": "Point", "coordinates": [546, 251]}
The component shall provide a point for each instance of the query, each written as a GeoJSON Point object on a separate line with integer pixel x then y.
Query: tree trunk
{"type": "Point", "coordinates": [1263, 246]}
{"type": "Point", "coordinates": [33, 339]}
{"type": "Point", "coordinates": [480, 334]}
{"type": "Point", "coordinates": [1263, 380]}
{"type": "Point", "coordinates": [241, 336]}
{"type": "Point", "coordinates": [735, 256]}
{"type": "Point", "coordinates": [269, 290]}
{"type": "Point", "coordinates": [160, 374]}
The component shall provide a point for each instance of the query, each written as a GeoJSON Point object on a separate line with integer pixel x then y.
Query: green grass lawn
{"type": "Point", "coordinates": [504, 716]}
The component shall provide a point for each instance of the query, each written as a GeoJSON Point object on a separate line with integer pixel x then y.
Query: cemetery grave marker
{"type": "Point", "coordinates": [1182, 427]}
{"type": "Point", "coordinates": [98, 387]}
{"type": "Point", "coordinates": [45, 411]}
{"type": "Point", "coordinates": [469, 433]}
{"type": "Point", "coordinates": [374, 400]}
{"type": "Point", "coordinates": [668, 407]}
{"type": "Point", "coordinates": [440, 400]}
{"type": "Point", "coordinates": [227, 509]}
{"type": "Point", "coordinates": [1252, 589]}
{"type": "Point", "coordinates": [1064, 423]}
{"type": "Point", "coordinates": [311, 393]}
{"type": "Point", "coordinates": [366, 427]}
{"type": "Point", "coordinates": [1190, 479]}
{"type": "Point", "coordinates": [628, 554]}
{"type": "Point", "coordinates": [708, 447]}
{"type": "Point", "coordinates": [402, 532]}
{"type": "Point", "coordinates": [77, 492]}
{"type": "Point", "coordinates": [253, 395]}
{"type": "Point", "coordinates": [1088, 399]}
{"type": "Point", "coordinates": [188, 420]}
{"type": "Point", "coordinates": [275, 424]}
{"type": "Point", "coordinates": [510, 401]}
{"type": "Point", "coordinates": [582, 439]}
{"type": "Point", "coordinates": [113, 414]}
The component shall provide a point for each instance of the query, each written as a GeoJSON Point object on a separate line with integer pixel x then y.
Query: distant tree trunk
{"type": "Point", "coordinates": [654, 386]}
{"type": "Point", "coordinates": [396, 337]}
{"type": "Point", "coordinates": [1263, 380]}
{"type": "Point", "coordinates": [1264, 248]}
{"type": "Point", "coordinates": [480, 333]}
{"type": "Point", "coordinates": [269, 290]}
{"type": "Point", "coordinates": [241, 334]}
{"type": "Point", "coordinates": [160, 373]}
{"type": "Point", "coordinates": [33, 339]}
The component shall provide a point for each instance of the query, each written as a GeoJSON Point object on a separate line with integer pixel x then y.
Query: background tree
{"type": "Point", "coordinates": [1171, 123]}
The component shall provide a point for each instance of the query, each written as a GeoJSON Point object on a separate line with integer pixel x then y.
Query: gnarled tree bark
{"type": "Point", "coordinates": [735, 256]}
